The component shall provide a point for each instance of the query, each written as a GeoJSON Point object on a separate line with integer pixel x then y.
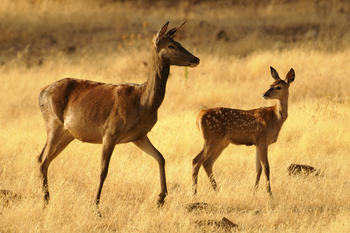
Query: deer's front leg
{"type": "Point", "coordinates": [258, 169]}
{"type": "Point", "coordinates": [108, 147]}
{"type": "Point", "coordinates": [262, 152]}
{"type": "Point", "coordinates": [145, 145]}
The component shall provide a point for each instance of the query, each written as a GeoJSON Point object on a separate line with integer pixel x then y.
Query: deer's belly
{"type": "Point", "coordinates": [137, 131]}
{"type": "Point", "coordinates": [130, 129]}
{"type": "Point", "coordinates": [242, 139]}
{"type": "Point", "coordinates": [83, 130]}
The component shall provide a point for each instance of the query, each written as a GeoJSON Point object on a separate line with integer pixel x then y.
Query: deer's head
{"type": "Point", "coordinates": [171, 51]}
{"type": "Point", "coordinates": [279, 88]}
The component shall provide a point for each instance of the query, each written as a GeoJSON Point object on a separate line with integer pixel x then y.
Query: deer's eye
{"type": "Point", "coordinates": [171, 47]}
{"type": "Point", "coordinates": [278, 88]}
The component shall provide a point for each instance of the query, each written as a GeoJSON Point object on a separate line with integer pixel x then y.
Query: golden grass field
{"type": "Point", "coordinates": [43, 41]}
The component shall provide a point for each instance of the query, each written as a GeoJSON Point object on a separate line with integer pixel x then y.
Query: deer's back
{"type": "Point", "coordinates": [88, 109]}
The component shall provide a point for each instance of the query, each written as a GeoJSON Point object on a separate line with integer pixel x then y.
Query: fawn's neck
{"type": "Point", "coordinates": [281, 109]}
{"type": "Point", "coordinates": [153, 94]}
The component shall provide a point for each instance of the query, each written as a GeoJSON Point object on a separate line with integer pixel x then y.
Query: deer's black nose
{"type": "Point", "coordinates": [195, 60]}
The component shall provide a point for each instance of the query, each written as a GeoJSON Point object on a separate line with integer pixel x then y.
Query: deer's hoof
{"type": "Point", "coordinates": [161, 198]}
{"type": "Point", "coordinates": [194, 190]}
{"type": "Point", "coordinates": [46, 198]}
{"type": "Point", "coordinates": [270, 196]}
{"type": "Point", "coordinates": [99, 214]}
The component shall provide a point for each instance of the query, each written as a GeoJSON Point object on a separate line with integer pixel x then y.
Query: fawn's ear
{"type": "Point", "coordinates": [172, 32]}
{"type": "Point", "coordinates": [161, 33]}
{"type": "Point", "coordinates": [290, 76]}
{"type": "Point", "coordinates": [274, 73]}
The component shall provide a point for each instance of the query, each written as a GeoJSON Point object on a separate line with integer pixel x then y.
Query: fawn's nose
{"type": "Point", "coordinates": [267, 93]}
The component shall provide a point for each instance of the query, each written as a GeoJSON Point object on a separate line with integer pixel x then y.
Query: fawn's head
{"type": "Point", "coordinates": [171, 51]}
{"type": "Point", "coordinates": [279, 88]}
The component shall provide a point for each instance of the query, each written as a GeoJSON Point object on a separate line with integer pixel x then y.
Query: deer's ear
{"type": "Point", "coordinates": [161, 33]}
{"type": "Point", "coordinates": [290, 76]}
{"type": "Point", "coordinates": [172, 32]}
{"type": "Point", "coordinates": [274, 73]}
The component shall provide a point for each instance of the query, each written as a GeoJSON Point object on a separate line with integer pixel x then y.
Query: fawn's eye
{"type": "Point", "coordinates": [278, 88]}
{"type": "Point", "coordinates": [171, 47]}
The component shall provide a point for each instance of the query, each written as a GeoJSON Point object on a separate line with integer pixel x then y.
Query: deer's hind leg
{"type": "Point", "coordinates": [57, 139]}
{"type": "Point", "coordinates": [40, 157]}
{"type": "Point", "coordinates": [210, 150]}
{"type": "Point", "coordinates": [208, 164]}
{"type": "Point", "coordinates": [196, 164]}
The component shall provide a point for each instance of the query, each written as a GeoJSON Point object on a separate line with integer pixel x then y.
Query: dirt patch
{"type": "Point", "coordinates": [196, 206]}
{"type": "Point", "coordinates": [224, 224]}
{"type": "Point", "coordinates": [301, 169]}
{"type": "Point", "coordinates": [8, 196]}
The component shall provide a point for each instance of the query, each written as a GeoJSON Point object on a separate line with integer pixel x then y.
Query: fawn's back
{"type": "Point", "coordinates": [239, 126]}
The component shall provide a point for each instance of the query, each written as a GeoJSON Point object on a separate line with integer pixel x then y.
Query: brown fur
{"type": "Point", "coordinates": [110, 113]}
{"type": "Point", "coordinates": [222, 126]}
{"type": "Point", "coordinates": [199, 119]}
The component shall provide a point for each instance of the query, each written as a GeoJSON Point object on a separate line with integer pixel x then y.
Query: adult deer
{"type": "Point", "coordinates": [260, 127]}
{"type": "Point", "coordinates": [110, 114]}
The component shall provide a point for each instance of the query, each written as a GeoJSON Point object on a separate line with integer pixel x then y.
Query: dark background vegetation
{"type": "Point", "coordinates": [31, 30]}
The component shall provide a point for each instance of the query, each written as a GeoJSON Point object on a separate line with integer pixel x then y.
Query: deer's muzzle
{"type": "Point", "coordinates": [194, 62]}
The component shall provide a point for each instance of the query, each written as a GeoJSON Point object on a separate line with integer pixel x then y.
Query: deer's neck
{"type": "Point", "coordinates": [281, 109]}
{"type": "Point", "coordinates": [154, 91]}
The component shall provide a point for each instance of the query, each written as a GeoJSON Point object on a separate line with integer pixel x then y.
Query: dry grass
{"type": "Point", "coordinates": [233, 73]}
